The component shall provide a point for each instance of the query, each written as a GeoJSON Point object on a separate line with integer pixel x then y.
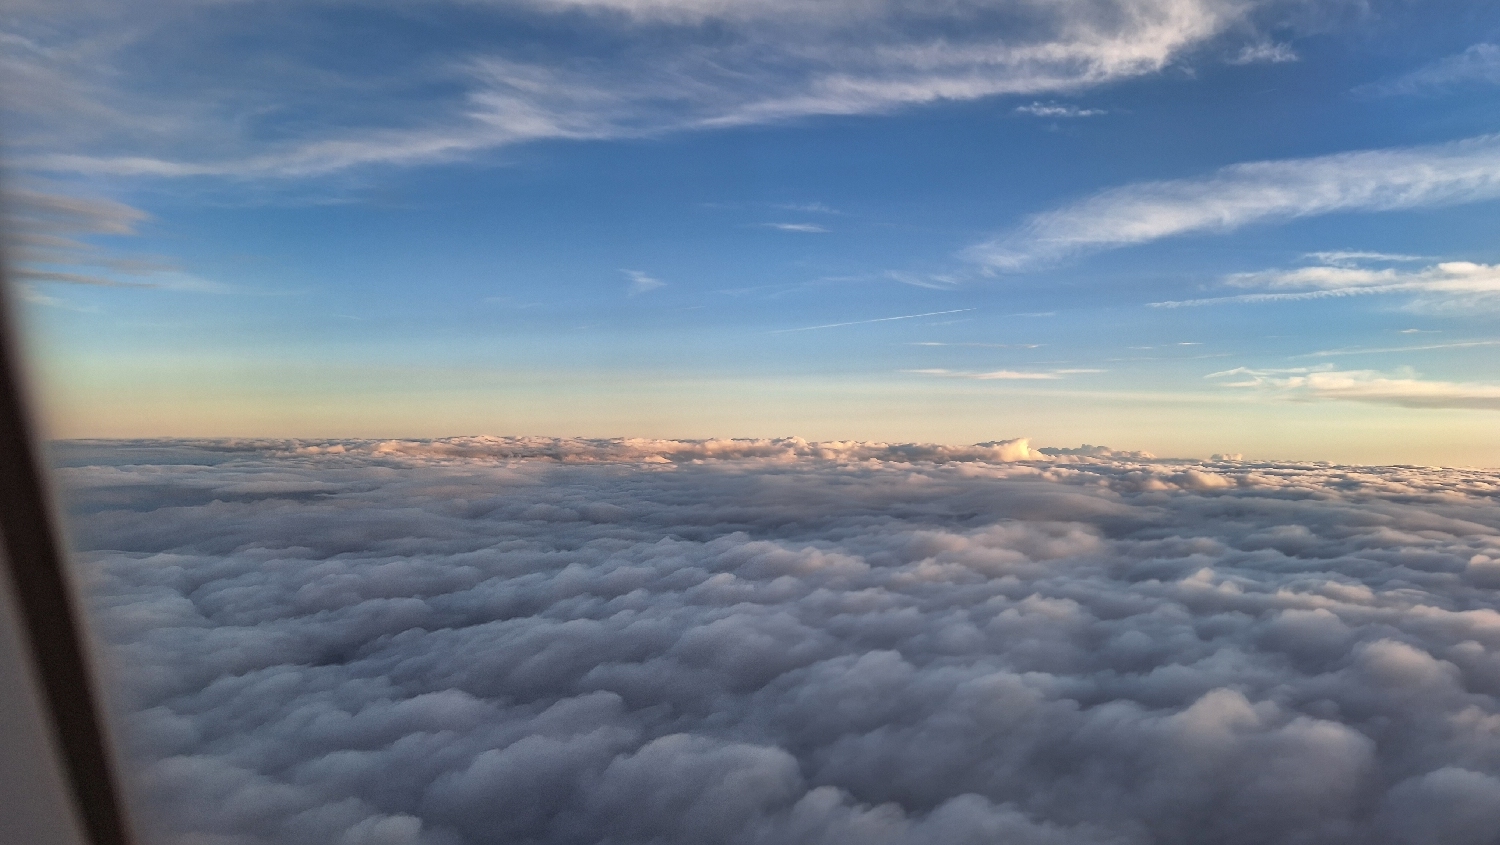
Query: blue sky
{"type": "Point", "coordinates": [1187, 226]}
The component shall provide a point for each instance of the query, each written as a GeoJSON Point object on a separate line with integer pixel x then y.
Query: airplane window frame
{"type": "Point", "coordinates": [50, 617]}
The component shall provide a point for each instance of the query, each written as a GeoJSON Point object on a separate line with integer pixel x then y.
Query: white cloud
{"type": "Point", "coordinates": [1446, 285]}
{"type": "Point", "coordinates": [660, 67]}
{"type": "Point", "coordinates": [978, 345]}
{"type": "Point", "coordinates": [1243, 194]}
{"type": "Point", "coordinates": [1265, 52]}
{"type": "Point", "coordinates": [48, 241]}
{"type": "Point", "coordinates": [811, 228]}
{"type": "Point", "coordinates": [1407, 391]}
{"type": "Point", "coordinates": [808, 208]}
{"type": "Point", "coordinates": [1457, 277]}
{"type": "Point", "coordinates": [1480, 63]}
{"type": "Point", "coordinates": [641, 283]}
{"type": "Point", "coordinates": [931, 281]}
{"type": "Point", "coordinates": [1464, 344]}
{"type": "Point", "coordinates": [875, 320]}
{"type": "Point", "coordinates": [1063, 110]}
{"type": "Point", "coordinates": [1004, 375]}
{"type": "Point", "coordinates": [1256, 298]}
{"type": "Point", "coordinates": [550, 640]}
{"type": "Point", "coordinates": [1352, 256]}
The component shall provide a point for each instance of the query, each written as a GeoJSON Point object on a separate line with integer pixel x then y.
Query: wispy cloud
{"type": "Point", "coordinates": [47, 242]}
{"type": "Point", "coordinates": [1062, 110]}
{"type": "Point", "coordinates": [1446, 284]}
{"type": "Point", "coordinates": [1242, 194]}
{"type": "Point", "coordinates": [641, 283]}
{"type": "Point", "coordinates": [1405, 390]}
{"type": "Point", "coordinates": [807, 207]}
{"type": "Point", "coordinates": [1264, 52]}
{"type": "Point", "coordinates": [1003, 375]}
{"type": "Point", "coordinates": [1463, 344]}
{"type": "Point", "coordinates": [1255, 298]}
{"type": "Point", "coordinates": [931, 281]}
{"type": "Point", "coordinates": [1480, 64]}
{"type": "Point", "coordinates": [91, 109]}
{"type": "Point", "coordinates": [811, 228]}
{"type": "Point", "coordinates": [1347, 256]}
{"type": "Point", "coordinates": [979, 345]}
{"type": "Point", "coordinates": [876, 320]}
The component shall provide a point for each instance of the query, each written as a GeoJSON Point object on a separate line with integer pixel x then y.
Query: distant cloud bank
{"type": "Point", "coordinates": [486, 640]}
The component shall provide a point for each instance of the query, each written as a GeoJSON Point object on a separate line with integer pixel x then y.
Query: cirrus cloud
{"type": "Point", "coordinates": [1255, 192]}
{"type": "Point", "coordinates": [595, 70]}
{"type": "Point", "coordinates": [1404, 390]}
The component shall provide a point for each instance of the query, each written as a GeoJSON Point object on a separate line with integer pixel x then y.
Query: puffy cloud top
{"type": "Point", "coordinates": [563, 641]}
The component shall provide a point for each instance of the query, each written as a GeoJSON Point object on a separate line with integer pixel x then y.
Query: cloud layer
{"type": "Point", "coordinates": [555, 641]}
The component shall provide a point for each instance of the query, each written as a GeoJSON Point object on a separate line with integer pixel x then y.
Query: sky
{"type": "Point", "coordinates": [557, 641]}
{"type": "Point", "coordinates": [1181, 226]}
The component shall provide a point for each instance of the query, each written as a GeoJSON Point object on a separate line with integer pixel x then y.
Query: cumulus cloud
{"type": "Point", "coordinates": [1255, 192]}
{"type": "Point", "coordinates": [548, 640]}
{"type": "Point", "coordinates": [1404, 390]}
{"type": "Point", "coordinates": [648, 68]}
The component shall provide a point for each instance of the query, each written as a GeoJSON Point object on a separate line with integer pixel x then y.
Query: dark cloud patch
{"type": "Point", "coordinates": [504, 640]}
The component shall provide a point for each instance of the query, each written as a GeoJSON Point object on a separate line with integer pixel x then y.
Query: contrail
{"type": "Point", "coordinates": [877, 320]}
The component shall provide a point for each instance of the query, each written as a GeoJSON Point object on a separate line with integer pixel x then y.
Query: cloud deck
{"type": "Point", "coordinates": [495, 640]}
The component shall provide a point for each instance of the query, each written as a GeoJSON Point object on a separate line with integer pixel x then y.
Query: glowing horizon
{"type": "Point", "coordinates": [1191, 227]}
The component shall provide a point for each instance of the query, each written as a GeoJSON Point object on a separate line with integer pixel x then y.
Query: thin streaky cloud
{"type": "Point", "coordinates": [1448, 282]}
{"type": "Point", "coordinates": [1265, 53]}
{"type": "Point", "coordinates": [1338, 256]}
{"type": "Point", "coordinates": [789, 60]}
{"type": "Point", "coordinates": [1268, 297]}
{"type": "Point", "coordinates": [876, 320]}
{"type": "Point", "coordinates": [978, 345]}
{"type": "Point", "coordinates": [1061, 110]}
{"type": "Point", "coordinates": [28, 275]}
{"type": "Point", "coordinates": [1004, 375]}
{"type": "Point", "coordinates": [1479, 64]}
{"type": "Point", "coordinates": [641, 282]}
{"type": "Point", "coordinates": [810, 228]}
{"type": "Point", "coordinates": [42, 212]}
{"type": "Point", "coordinates": [50, 242]}
{"type": "Point", "coordinates": [1331, 353]}
{"type": "Point", "coordinates": [807, 208]}
{"type": "Point", "coordinates": [1256, 192]}
{"type": "Point", "coordinates": [1368, 386]}
{"type": "Point", "coordinates": [931, 281]}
